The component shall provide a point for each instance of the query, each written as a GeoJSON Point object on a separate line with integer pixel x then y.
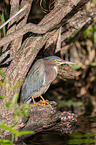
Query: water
{"type": "Point", "coordinates": [84, 133]}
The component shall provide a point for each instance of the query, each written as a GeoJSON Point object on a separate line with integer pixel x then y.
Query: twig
{"type": "Point", "coordinates": [22, 9]}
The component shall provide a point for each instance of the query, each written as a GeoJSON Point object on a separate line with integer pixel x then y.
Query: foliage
{"type": "Point", "coordinates": [85, 77]}
{"type": "Point", "coordinates": [3, 21]}
{"type": "Point", "coordinates": [81, 138]}
{"type": "Point", "coordinates": [19, 111]}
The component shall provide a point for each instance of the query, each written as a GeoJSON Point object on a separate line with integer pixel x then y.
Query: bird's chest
{"type": "Point", "coordinates": [50, 74]}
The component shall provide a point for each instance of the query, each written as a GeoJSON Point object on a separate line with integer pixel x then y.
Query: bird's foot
{"type": "Point", "coordinates": [45, 102]}
{"type": "Point", "coordinates": [35, 103]}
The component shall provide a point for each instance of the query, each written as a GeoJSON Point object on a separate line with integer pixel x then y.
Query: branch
{"type": "Point", "coordinates": [49, 22]}
{"type": "Point", "coordinates": [45, 119]}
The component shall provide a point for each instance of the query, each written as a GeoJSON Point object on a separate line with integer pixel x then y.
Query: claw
{"type": "Point", "coordinates": [45, 102]}
{"type": "Point", "coordinates": [35, 103]}
{"type": "Point", "coordinates": [38, 104]}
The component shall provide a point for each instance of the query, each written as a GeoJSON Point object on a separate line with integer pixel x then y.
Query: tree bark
{"type": "Point", "coordinates": [66, 14]}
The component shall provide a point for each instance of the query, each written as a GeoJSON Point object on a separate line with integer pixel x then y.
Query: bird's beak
{"type": "Point", "coordinates": [65, 62]}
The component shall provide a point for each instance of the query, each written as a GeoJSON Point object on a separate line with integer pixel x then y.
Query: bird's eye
{"type": "Point", "coordinates": [57, 60]}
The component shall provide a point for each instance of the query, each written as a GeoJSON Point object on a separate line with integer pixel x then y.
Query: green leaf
{"type": "Point", "coordinates": [9, 106]}
{"type": "Point", "coordinates": [93, 64]}
{"type": "Point", "coordinates": [2, 74]}
{"type": "Point", "coordinates": [3, 126]}
{"type": "Point", "coordinates": [81, 141]}
{"type": "Point", "coordinates": [25, 107]}
{"type": "Point", "coordinates": [81, 138]}
{"type": "Point", "coordinates": [15, 98]}
{"type": "Point", "coordinates": [2, 96]}
{"type": "Point", "coordinates": [3, 21]}
{"type": "Point", "coordinates": [5, 142]}
{"type": "Point", "coordinates": [15, 132]}
{"type": "Point", "coordinates": [25, 132]}
{"type": "Point", "coordinates": [75, 66]}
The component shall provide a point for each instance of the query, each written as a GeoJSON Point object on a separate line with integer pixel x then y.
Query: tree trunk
{"type": "Point", "coordinates": [66, 14]}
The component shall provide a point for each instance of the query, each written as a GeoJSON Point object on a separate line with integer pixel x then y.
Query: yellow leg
{"type": "Point", "coordinates": [35, 103]}
{"type": "Point", "coordinates": [45, 102]}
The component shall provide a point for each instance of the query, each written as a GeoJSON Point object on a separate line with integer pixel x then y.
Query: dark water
{"type": "Point", "coordinates": [84, 133]}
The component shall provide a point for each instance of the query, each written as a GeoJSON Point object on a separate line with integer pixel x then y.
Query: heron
{"type": "Point", "coordinates": [39, 78]}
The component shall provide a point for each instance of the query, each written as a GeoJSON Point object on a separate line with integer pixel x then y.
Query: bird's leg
{"type": "Point", "coordinates": [45, 102]}
{"type": "Point", "coordinates": [35, 103]}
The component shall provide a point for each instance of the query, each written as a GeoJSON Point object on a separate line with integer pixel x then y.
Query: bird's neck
{"type": "Point", "coordinates": [56, 69]}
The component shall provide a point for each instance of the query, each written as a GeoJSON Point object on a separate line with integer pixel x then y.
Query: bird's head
{"type": "Point", "coordinates": [57, 60]}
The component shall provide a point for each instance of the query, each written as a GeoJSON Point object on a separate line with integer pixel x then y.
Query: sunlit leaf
{"type": "Point", "coordinates": [2, 74]}
{"type": "Point", "coordinates": [5, 142]}
{"type": "Point", "coordinates": [25, 107]}
{"type": "Point", "coordinates": [25, 132]}
{"type": "Point", "coordinates": [3, 126]}
{"type": "Point", "coordinates": [9, 106]}
{"type": "Point", "coordinates": [15, 98]}
{"type": "Point", "coordinates": [15, 132]}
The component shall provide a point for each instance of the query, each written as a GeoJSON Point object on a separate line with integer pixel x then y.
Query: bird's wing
{"type": "Point", "coordinates": [33, 81]}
